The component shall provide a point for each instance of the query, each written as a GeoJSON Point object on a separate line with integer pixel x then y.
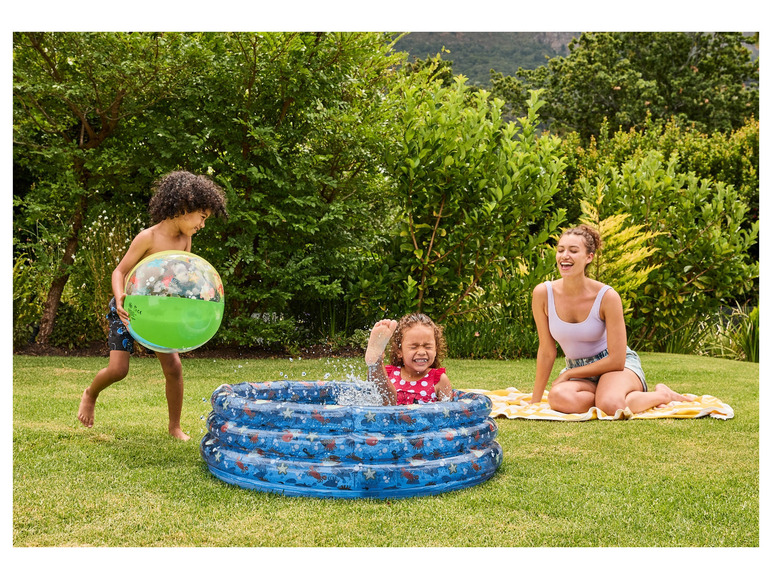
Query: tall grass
{"type": "Point", "coordinates": [504, 338]}
{"type": "Point", "coordinates": [731, 334]}
{"type": "Point", "coordinates": [689, 339]}
{"type": "Point", "coordinates": [735, 335]}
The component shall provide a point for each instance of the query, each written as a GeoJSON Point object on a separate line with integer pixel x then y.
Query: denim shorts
{"type": "Point", "coordinates": [632, 361]}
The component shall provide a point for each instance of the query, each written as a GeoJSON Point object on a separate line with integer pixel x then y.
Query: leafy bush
{"type": "Point", "coordinates": [624, 261]}
{"type": "Point", "coordinates": [269, 330]}
{"type": "Point", "coordinates": [473, 195]}
{"type": "Point", "coordinates": [27, 301]}
{"type": "Point", "coordinates": [76, 327]}
{"type": "Point", "coordinates": [702, 251]}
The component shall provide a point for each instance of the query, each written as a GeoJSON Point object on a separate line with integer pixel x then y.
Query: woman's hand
{"type": "Point", "coordinates": [528, 401]}
{"type": "Point", "coordinates": [563, 377]}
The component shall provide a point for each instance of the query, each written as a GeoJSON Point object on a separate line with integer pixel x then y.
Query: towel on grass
{"type": "Point", "coordinates": [506, 403]}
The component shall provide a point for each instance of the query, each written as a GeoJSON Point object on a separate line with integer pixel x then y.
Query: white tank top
{"type": "Point", "coordinates": [583, 339]}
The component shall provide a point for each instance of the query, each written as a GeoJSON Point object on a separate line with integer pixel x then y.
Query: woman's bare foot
{"type": "Point", "coordinates": [379, 339]}
{"type": "Point", "coordinates": [178, 434]}
{"type": "Point", "coordinates": [86, 409]}
{"type": "Point", "coordinates": [672, 396]}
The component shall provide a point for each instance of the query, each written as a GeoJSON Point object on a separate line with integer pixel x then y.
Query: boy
{"type": "Point", "coordinates": [180, 206]}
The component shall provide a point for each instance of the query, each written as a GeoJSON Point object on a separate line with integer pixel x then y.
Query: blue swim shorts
{"type": "Point", "coordinates": [632, 361]}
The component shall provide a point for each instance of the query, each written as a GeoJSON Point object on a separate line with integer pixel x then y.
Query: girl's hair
{"type": "Point", "coordinates": [591, 237]}
{"type": "Point", "coordinates": [181, 192]}
{"type": "Point", "coordinates": [407, 322]}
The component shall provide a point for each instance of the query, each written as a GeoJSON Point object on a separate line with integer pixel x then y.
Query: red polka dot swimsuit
{"type": "Point", "coordinates": [420, 391]}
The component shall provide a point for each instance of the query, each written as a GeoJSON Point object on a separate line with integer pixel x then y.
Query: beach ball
{"type": "Point", "coordinates": [175, 301]}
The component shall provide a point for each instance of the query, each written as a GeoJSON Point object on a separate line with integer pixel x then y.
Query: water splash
{"type": "Point", "coordinates": [358, 392]}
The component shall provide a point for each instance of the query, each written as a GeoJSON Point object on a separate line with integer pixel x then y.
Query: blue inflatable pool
{"type": "Point", "coordinates": [293, 439]}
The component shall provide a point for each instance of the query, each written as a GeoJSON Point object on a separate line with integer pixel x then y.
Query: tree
{"type": "Point", "coordinates": [708, 79]}
{"type": "Point", "coordinates": [73, 93]}
{"type": "Point", "coordinates": [295, 125]}
{"type": "Point", "coordinates": [471, 190]}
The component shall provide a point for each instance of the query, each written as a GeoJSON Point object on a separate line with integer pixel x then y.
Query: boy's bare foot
{"type": "Point", "coordinates": [379, 339]}
{"type": "Point", "coordinates": [86, 409]}
{"type": "Point", "coordinates": [673, 396]}
{"type": "Point", "coordinates": [178, 434]}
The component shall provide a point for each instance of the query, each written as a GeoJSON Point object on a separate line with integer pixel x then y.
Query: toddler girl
{"type": "Point", "coordinates": [414, 375]}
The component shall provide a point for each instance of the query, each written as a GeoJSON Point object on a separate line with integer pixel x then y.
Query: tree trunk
{"type": "Point", "coordinates": [57, 286]}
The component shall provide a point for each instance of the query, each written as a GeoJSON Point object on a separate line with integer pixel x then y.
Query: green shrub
{"type": "Point", "coordinates": [27, 301]}
{"type": "Point", "coordinates": [471, 190]}
{"type": "Point", "coordinates": [76, 327]}
{"type": "Point", "coordinates": [702, 256]}
{"type": "Point", "coordinates": [504, 338]}
{"type": "Point", "coordinates": [269, 330]}
{"type": "Point", "coordinates": [731, 158]}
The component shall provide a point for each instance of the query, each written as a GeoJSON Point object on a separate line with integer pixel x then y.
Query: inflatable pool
{"type": "Point", "coordinates": [292, 438]}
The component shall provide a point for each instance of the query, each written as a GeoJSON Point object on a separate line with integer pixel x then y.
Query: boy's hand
{"type": "Point", "coordinates": [123, 314]}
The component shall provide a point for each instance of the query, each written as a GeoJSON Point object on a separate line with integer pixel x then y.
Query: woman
{"type": "Point", "coordinates": [585, 317]}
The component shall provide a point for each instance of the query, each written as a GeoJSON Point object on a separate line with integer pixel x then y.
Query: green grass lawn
{"type": "Point", "coordinates": [126, 483]}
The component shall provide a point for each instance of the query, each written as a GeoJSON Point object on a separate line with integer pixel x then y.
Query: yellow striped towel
{"type": "Point", "coordinates": [509, 403]}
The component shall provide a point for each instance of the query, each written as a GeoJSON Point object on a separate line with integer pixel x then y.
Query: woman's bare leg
{"type": "Point", "coordinates": [572, 396]}
{"type": "Point", "coordinates": [620, 390]}
{"type": "Point", "coordinates": [662, 395]}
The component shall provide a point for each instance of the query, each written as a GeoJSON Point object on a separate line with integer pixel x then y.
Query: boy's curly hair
{"type": "Point", "coordinates": [407, 322]}
{"type": "Point", "coordinates": [181, 192]}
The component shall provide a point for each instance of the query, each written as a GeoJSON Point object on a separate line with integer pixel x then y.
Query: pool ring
{"type": "Point", "coordinates": [291, 438]}
{"type": "Point", "coordinates": [311, 406]}
{"type": "Point", "coordinates": [355, 446]}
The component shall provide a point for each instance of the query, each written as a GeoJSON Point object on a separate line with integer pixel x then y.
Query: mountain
{"type": "Point", "coordinates": [474, 54]}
